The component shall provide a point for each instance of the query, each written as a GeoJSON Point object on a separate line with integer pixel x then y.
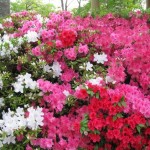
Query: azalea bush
{"type": "Point", "coordinates": [72, 83]}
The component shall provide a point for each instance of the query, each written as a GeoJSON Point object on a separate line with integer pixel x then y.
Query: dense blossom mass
{"type": "Point", "coordinates": [72, 83]}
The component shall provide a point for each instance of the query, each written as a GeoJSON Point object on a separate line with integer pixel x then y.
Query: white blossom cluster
{"type": "Point", "coordinates": [40, 18]}
{"type": "Point", "coordinates": [1, 26]}
{"type": "Point", "coordinates": [12, 121]}
{"type": "Point", "coordinates": [100, 58]}
{"type": "Point", "coordinates": [8, 20]}
{"type": "Point", "coordinates": [96, 81]}
{"type": "Point", "coordinates": [55, 69]}
{"type": "Point", "coordinates": [24, 81]}
{"type": "Point", "coordinates": [87, 66]}
{"type": "Point", "coordinates": [66, 93]}
{"type": "Point", "coordinates": [7, 46]}
{"type": "Point", "coordinates": [35, 118]}
{"type": "Point", "coordinates": [31, 36]}
{"type": "Point", "coordinates": [108, 79]}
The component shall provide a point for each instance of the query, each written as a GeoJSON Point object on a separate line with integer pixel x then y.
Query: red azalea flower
{"type": "Point", "coordinates": [94, 137]}
{"type": "Point", "coordinates": [76, 126]}
{"type": "Point", "coordinates": [81, 94]}
{"type": "Point", "coordinates": [49, 43]}
{"type": "Point", "coordinates": [67, 37]}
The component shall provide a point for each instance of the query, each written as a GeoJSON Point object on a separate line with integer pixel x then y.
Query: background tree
{"type": "Point", "coordinates": [65, 4]}
{"type": "Point", "coordinates": [4, 7]}
{"type": "Point", "coordinates": [95, 6]}
{"type": "Point", "coordinates": [79, 3]}
{"type": "Point", "coordinates": [36, 5]}
{"type": "Point", "coordinates": [120, 7]}
{"type": "Point", "coordinates": [62, 5]}
{"type": "Point", "coordinates": [147, 4]}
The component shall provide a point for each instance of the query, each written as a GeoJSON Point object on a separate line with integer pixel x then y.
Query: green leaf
{"type": "Point", "coordinates": [119, 104]}
{"type": "Point", "coordinates": [96, 132]}
{"type": "Point", "coordinates": [114, 118]}
{"type": "Point", "coordinates": [119, 115]}
{"type": "Point", "coordinates": [83, 124]}
{"type": "Point", "coordinates": [96, 147]}
{"type": "Point", "coordinates": [122, 99]}
{"type": "Point", "coordinates": [39, 42]}
{"type": "Point", "coordinates": [97, 95]}
{"type": "Point", "coordinates": [141, 125]}
{"type": "Point", "coordinates": [138, 128]}
{"type": "Point", "coordinates": [91, 93]}
{"type": "Point", "coordinates": [123, 103]}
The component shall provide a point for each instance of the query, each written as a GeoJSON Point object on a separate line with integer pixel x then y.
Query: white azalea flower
{"type": "Point", "coordinates": [33, 85]}
{"type": "Point", "coordinates": [86, 66]}
{"type": "Point", "coordinates": [89, 66]}
{"type": "Point", "coordinates": [96, 81]}
{"type": "Point", "coordinates": [20, 78]}
{"type": "Point", "coordinates": [12, 121]}
{"type": "Point", "coordinates": [100, 58]}
{"type": "Point", "coordinates": [35, 118]}
{"type": "Point", "coordinates": [18, 87]}
{"type": "Point", "coordinates": [31, 36]}
{"type": "Point", "coordinates": [5, 38]}
{"type": "Point", "coordinates": [109, 80]}
{"type": "Point", "coordinates": [29, 83]}
{"type": "Point", "coordinates": [8, 20]}
{"type": "Point", "coordinates": [9, 139]}
{"type": "Point", "coordinates": [1, 83]}
{"type": "Point", "coordinates": [39, 18]}
{"type": "Point", "coordinates": [1, 26]}
{"type": "Point", "coordinates": [19, 111]}
{"type": "Point", "coordinates": [47, 68]}
{"type": "Point", "coordinates": [24, 81]}
{"type": "Point", "coordinates": [56, 69]}
{"type": "Point", "coordinates": [66, 93]}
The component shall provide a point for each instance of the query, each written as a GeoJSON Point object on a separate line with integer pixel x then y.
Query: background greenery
{"type": "Point", "coordinates": [34, 5]}
{"type": "Point", "coordinates": [119, 7]}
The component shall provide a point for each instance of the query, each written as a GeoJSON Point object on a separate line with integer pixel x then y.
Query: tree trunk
{"type": "Point", "coordinates": [95, 5]}
{"type": "Point", "coordinates": [147, 4]}
{"type": "Point", "coordinates": [66, 5]}
{"type": "Point", "coordinates": [62, 5]}
{"type": "Point", "coordinates": [79, 4]}
{"type": "Point", "coordinates": [4, 8]}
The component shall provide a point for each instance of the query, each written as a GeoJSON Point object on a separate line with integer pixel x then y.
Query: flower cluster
{"type": "Point", "coordinates": [106, 124]}
{"type": "Point", "coordinates": [13, 121]}
{"type": "Point", "coordinates": [72, 83]}
{"type": "Point", "coordinates": [24, 81]}
{"type": "Point", "coordinates": [67, 37]}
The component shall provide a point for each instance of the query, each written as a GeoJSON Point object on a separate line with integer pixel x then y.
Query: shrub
{"type": "Point", "coordinates": [74, 83]}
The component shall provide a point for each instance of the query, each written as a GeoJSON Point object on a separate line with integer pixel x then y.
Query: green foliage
{"type": "Point", "coordinates": [120, 7]}
{"type": "Point", "coordinates": [147, 11]}
{"type": "Point", "coordinates": [32, 5]}
{"type": "Point", "coordinates": [84, 125]}
{"type": "Point", "coordinates": [83, 11]}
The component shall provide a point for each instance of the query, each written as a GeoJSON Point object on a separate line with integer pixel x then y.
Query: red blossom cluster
{"type": "Point", "coordinates": [108, 126]}
{"type": "Point", "coordinates": [67, 37]}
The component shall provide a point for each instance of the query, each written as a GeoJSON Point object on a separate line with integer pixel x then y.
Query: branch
{"type": "Point", "coordinates": [69, 3]}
